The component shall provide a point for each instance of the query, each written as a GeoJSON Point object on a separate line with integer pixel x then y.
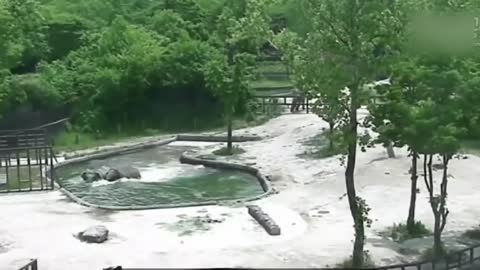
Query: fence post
{"type": "Point", "coordinates": [471, 255]}
{"type": "Point", "coordinates": [52, 180]}
{"type": "Point", "coordinates": [308, 107]}
{"type": "Point", "coordinates": [34, 264]}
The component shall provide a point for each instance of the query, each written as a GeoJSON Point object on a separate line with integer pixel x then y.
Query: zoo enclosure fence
{"type": "Point", "coordinates": [285, 100]}
{"type": "Point", "coordinates": [25, 157]}
{"type": "Point", "coordinates": [454, 261]}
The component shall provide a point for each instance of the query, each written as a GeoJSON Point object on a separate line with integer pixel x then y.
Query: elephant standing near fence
{"type": "Point", "coordinates": [298, 100]}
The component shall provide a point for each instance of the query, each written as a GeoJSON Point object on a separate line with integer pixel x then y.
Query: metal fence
{"type": "Point", "coordinates": [454, 261]}
{"type": "Point", "coordinates": [25, 157]}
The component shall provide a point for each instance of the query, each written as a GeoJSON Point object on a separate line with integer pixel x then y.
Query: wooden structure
{"type": "Point", "coordinates": [25, 158]}
{"type": "Point", "coordinates": [285, 100]}
{"type": "Point", "coordinates": [32, 265]}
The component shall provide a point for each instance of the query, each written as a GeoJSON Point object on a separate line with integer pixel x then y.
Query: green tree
{"type": "Point", "coordinates": [305, 60]}
{"type": "Point", "coordinates": [240, 28]}
{"type": "Point", "coordinates": [439, 115]}
{"type": "Point", "coordinates": [352, 38]}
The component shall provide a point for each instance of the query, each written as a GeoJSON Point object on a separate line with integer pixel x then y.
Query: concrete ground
{"type": "Point", "coordinates": [311, 209]}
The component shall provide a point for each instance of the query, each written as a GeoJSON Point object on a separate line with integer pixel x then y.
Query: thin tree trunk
{"type": "Point", "coordinates": [330, 134]}
{"type": "Point", "coordinates": [390, 151]}
{"type": "Point", "coordinates": [413, 193]}
{"type": "Point", "coordinates": [437, 236]}
{"type": "Point", "coordinates": [442, 212]}
{"type": "Point", "coordinates": [358, 254]}
{"type": "Point", "coordinates": [231, 62]}
{"type": "Point", "coordinates": [229, 134]}
{"type": "Point", "coordinates": [437, 203]}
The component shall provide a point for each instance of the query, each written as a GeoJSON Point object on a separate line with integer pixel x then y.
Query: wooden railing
{"type": "Point", "coordinates": [32, 265]}
{"type": "Point", "coordinates": [285, 100]}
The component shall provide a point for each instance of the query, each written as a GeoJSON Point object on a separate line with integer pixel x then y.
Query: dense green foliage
{"type": "Point", "coordinates": [119, 65]}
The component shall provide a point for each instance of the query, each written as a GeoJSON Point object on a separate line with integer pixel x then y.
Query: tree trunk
{"type": "Point", "coordinates": [229, 134]}
{"type": "Point", "coordinates": [330, 134]}
{"type": "Point", "coordinates": [437, 236]}
{"type": "Point", "coordinates": [437, 203]}
{"type": "Point", "coordinates": [358, 254]}
{"type": "Point", "coordinates": [413, 193]}
{"type": "Point", "coordinates": [390, 152]}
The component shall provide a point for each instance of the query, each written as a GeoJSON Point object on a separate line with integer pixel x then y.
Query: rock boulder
{"type": "Point", "coordinates": [94, 234]}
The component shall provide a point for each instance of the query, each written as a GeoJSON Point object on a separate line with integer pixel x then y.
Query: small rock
{"type": "Point", "coordinates": [387, 173]}
{"type": "Point", "coordinates": [464, 157]}
{"type": "Point", "coordinates": [437, 166]}
{"type": "Point", "coordinates": [94, 234]}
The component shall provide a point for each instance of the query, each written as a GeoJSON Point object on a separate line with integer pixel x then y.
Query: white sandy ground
{"type": "Point", "coordinates": [42, 225]}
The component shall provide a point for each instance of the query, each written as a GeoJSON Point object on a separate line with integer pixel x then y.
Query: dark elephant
{"type": "Point", "coordinates": [110, 174]}
{"type": "Point", "coordinates": [298, 100]}
{"type": "Point", "coordinates": [90, 176]}
{"type": "Point", "coordinates": [122, 172]}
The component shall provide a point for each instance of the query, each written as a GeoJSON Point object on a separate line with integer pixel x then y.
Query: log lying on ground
{"type": "Point", "coordinates": [264, 219]}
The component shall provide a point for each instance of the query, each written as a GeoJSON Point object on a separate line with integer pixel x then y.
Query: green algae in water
{"type": "Point", "coordinates": [164, 181]}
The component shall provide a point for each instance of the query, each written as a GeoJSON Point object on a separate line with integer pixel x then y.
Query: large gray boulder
{"type": "Point", "coordinates": [94, 234]}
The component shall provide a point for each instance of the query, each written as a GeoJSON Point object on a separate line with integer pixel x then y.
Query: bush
{"type": "Point", "coordinates": [473, 234]}
{"type": "Point", "coordinates": [348, 263]}
{"type": "Point", "coordinates": [321, 148]}
{"type": "Point", "coordinates": [400, 232]}
{"type": "Point", "coordinates": [224, 151]}
{"type": "Point", "coordinates": [429, 253]}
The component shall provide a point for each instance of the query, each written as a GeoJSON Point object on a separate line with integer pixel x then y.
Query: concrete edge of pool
{"type": "Point", "coordinates": [184, 158]}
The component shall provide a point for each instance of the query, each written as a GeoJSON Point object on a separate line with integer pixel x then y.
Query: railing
{"type": "Point", "coordinates": [14, 139]}
{"type": "Point", "coordinates": [25, 156]}
{"type": "Point", "coordinates": [454, 261]}
{"type": "Point", "coordinates": [286, 100]}
{"type": "Point", "coordinates": [32, 265]}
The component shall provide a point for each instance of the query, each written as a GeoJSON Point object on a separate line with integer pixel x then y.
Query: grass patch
{"type": "Point", "coordinates": [272, 67]}
{"type": "Point", "coordinates": [73, 140]}
{"type": "Point", "coordinates": [224, 151]}
{"type": "Point", "coordinates": [429, 253]}
{"type": "Point", "coordinates": [320, 146]}
{"type": "Point", "coordinates": [471, 147]}
{"type": "Point", "coordinates": [400, 232]}
{"type": "Point", "coordinates": [472, 234]}
{"type": "Point", "coordinates": [263, 83]}
{"type": "Point", "coordinates": [348, 263]}
{"type": "Point", "coordinates": [19, 178]}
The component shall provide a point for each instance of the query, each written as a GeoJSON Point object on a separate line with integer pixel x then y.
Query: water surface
{"type": "Point", "coordinates": [164, 181]}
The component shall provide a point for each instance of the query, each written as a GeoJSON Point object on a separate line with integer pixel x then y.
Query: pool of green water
{"type": "Point", "coordinates": [164, 181]}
